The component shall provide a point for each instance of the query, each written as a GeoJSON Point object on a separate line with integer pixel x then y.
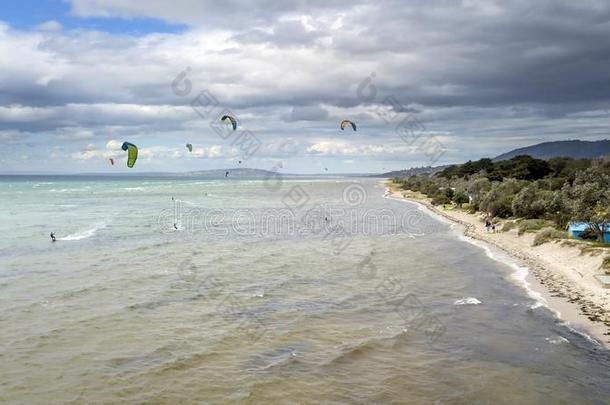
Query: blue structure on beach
{"type": "Point", "coordinates": [575, 229]}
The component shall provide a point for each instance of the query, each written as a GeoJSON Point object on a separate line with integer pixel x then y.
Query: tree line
{"type": "Point", "coordinates": [561, 190]}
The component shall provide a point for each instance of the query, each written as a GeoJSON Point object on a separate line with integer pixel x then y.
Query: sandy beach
{"type": "Point", "coordinates": [559, 271]}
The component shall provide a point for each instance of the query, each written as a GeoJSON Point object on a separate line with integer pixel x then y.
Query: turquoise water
{"type": "Point", "coordinates": [292, 291]}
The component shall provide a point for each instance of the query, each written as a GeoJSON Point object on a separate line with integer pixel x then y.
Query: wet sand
{"type": "Point", "coordinates": [558, 271]}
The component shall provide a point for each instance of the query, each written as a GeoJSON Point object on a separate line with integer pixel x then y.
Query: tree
{"type": "Point", "coordinates": [498, 201]}
{"type": "Point", "coordinates": [460, 197]}
{"type": "Point", "coordinates": [532, 202]}
{"type": "Point", "coordinates": [477, 188]}
{"type": "Point", "coordinates": [588, 200]}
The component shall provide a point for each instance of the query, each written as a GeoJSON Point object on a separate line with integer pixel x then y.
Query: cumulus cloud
{"type": "Point", "coordinates": [342, 148]}
{"type": "Point", "coordinates": [114, 145]}
{"type": "Point", "coordinates": [307, 113]}
{"type": "Point", "coordinates": [486, 76]}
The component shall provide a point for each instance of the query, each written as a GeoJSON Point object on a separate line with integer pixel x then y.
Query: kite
{"type": "Point", "coordinates": [189, 147]}
{"type": "Point", "coordinates": [233, 121]}
{"type": "Point", "coordinates": [132, 153]}
{"type": "Point", "coordinates": [345, 123]}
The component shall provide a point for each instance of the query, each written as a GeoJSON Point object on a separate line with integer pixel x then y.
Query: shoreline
{"type": "Point", "coordinates": [560, 277]}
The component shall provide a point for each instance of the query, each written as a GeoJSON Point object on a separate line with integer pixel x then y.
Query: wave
{"type": "Point", "coordinates": [283, 357]}
{"type": "Point", "coordinates": [582, 333]}
{"type": "Point", "coordinates": [87, 233]}
{"type": "Point", "coordinates": [557, 340]}
{"type": "Point", "coordinates": [354, 351]}
{"type": "Point", "coordinates": [70, 190]}
{"type": "Point", "coordinates": [519, 275]}
{"type": "Point", "coordinates": [467, 301]}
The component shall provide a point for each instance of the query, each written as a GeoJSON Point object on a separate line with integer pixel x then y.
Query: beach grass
{"type": "Point", "coordinates": [533, 225]}
{"type": "Point", "coordinates": [508, 225]}
{"type": "Point", "coordinates": [548, 234]}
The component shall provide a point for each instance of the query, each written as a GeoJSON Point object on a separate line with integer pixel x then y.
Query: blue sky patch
{"type": "Point", "coordinates": [27, 14]}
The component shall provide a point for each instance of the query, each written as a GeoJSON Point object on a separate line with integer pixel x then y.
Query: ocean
{"type": "Point", "coordinates": [279, 290]}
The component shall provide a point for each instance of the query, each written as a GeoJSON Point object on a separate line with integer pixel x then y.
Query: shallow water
{"type": "Point", "coordinates": [288, 292]}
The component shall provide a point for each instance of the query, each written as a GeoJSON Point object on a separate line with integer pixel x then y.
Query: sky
{"type": "Point", "coordinates": [427, 83]}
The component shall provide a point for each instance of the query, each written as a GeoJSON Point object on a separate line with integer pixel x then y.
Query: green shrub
{"type": "Point", "coordinates": [533, 225]}
{"type": "Point", "coordinates": [502, 207]}
{"type": "Point", "coordinates": [460, 198]}
{"type": "Point", "coordinates": [548, 234]}
{"type": "Point", "coordinates": [440, 199]}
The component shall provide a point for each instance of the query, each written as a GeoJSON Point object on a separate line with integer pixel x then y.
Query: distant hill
{"type": "Point", "coordinates": [573, 149]}
{"type": "Point", "coordinates": [236, 173]}
{"type": "Point", "coordinates": [256, 174]}
{"type": "Point", "coordinates": [414, 171]}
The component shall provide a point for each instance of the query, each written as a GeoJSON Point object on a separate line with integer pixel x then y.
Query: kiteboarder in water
{"type": "Point", "coordinates": [226, 174]}
{"type": "Point", "coordinates": [53, 237]}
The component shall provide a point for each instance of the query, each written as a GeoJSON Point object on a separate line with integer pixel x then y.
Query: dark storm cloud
{"type": "Point", "coordinates": [470, 69]}
{"type": "Point", "coordinates": [434, 55]}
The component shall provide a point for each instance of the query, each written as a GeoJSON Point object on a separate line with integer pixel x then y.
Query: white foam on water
{"type": "Point", "coordinates": [557, 340]}
{"type": "Point", "coordinates": [467, 301]}
{"type": "Point", "coordinates": [87, 233]}
{"type": "Point", "coordinates": [590, 338]}
{"type": "Point", "coordinates": [519, 275]}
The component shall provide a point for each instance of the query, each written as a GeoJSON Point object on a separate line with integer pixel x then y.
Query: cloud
{"type": "Point", "coordinates": [11, 136]}
{"type": "Point", "coordinates": [283, 34]}
{"type": "Point", "coordinates": [486, 75]}
{"type": "Point", "coordinates": [342, 148]}
{"type": "Point", "coordinates": [114, 145]}
{"type": "Point", "coordinates": [50, 25]}
{"type": "Point", "coordinates": [74, 134]}
{"type": "Point", "coordinates": [203, 12]}
{"type": "Point", "coordinates": [307, 113]}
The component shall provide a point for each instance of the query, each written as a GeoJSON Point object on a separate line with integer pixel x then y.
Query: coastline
{"type": "Point", "coordinates": [561, 277]}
